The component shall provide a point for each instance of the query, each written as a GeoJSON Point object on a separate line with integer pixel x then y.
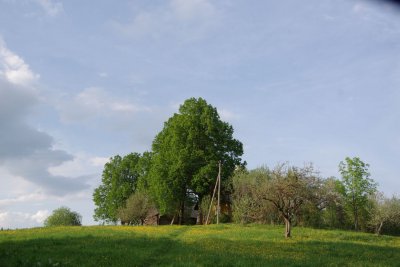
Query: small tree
{"type": "Point", "coordinates": [63, 217]}
{"type": "Point", "coordinates": [324, 205]}
{"type": "Point", "coordinates": [289, 189]}
{"type": "Point", "coordinates": [385, 211]}
{"type": "Point", "coordinates": [120, 178]}
{"type": "Point", "coordinates": [358, 186]}
{"type": "Point", "coordinates": [249, 205]}
{"type": "Point", "coordinates": [136, 209]}
{"type": "Point", "coordinates": [263, 195]}
{"type": "Point", "coordinates": [333, 212]}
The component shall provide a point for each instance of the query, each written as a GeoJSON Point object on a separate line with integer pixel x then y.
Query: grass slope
{"type": "Point", "coordinates": [216, 245]}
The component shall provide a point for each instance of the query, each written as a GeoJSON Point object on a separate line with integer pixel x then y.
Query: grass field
{"type": "Point", "coordinates": [216, 245]}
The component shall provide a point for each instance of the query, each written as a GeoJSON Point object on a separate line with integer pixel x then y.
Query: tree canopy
{"type": "Point", "coordinates": [136, 209]}
{"type": "Point", "coordinates": [119, 180]}
{"type": "Point", "coordinates": [186, 154]}
{"type": "Point", "coordinates": [358, 186]}
{"type": "Point", "coordinates": [385, 213]}
{"type": "Point", "coordinates": [181, 167]}
{"type": "Point", "coordinates": [63, 217]}
{"type": "Point", "coordinates": [264, 194]}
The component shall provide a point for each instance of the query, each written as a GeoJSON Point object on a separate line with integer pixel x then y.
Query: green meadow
{"type": "Point", "coordinates": [215, 245]}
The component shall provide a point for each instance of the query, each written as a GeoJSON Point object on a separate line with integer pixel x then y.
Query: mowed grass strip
{"type": "Point", "coordinates": [215, 245]}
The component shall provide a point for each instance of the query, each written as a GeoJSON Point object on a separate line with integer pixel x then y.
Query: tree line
{"type": "Point", "coordinates": [180, 171]}
{"type": "Point", "coordinates": [300, 196]}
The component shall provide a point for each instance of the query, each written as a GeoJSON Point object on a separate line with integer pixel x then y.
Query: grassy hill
{"type": "Point", "coordinates": [221, 245]}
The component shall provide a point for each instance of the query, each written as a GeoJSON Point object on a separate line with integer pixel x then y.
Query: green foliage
{"type": "Point", "coordinates": [265, 195]}
{"type": "Point", "coordinates": [119, 180]}
{"type": "Point", "coordinates": [204, 208]}
{"type": "Point", "coordinates": [385, 214]}
{"type": "Point", "coordinates": [358, 186]}
{"type": "Point", "coordinates": [180, 172]}
{"type": "Point", "coordinates": [289, 189]}
{"type": "Point", "coordinates": [213, 245]}
{"type": "Point", "coordinates": [301, 197]}
{"type": "Point", "coordinates": [333, 211]}
{"type": "Point", "coordinates": [187, 152]}
{"type": "Point", "coordinates": [249, 204]}
{"type": "Point", "coordinates": [325, 207]}
{"type": "Point", "coordinates": [310, 216]}
{"type": "Point", "coordinates": [63, 217]}
{"type": "Point", "coordinates": [136, 209]}
{"type": "Point", "coordinates": [143, 169]}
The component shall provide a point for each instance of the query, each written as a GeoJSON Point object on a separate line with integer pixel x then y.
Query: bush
{"type": "Point", "coordinates": [385, 215]}
{"type": "Point", "coordinates": [63, 217]}
{"type": "Point", "coordinates": [248, 203]}
{"type": "Point", "coordinates": [136, 209]}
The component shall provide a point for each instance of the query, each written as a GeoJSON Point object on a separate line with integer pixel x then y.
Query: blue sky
{"type": "Point", "coordinates": [81, 81]}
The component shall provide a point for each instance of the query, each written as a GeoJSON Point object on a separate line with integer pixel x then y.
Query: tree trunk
{"type": "Point", "coordinates": [173, 220]}
{"type": "Point", "coordinates": [288, 228]}
{"type": "Point", "coordinates": [355, 213]}
{"type": "Point", "coordinates": [182, 213]}
{"type": "Point", "coordinates": [182, 207]}
{"type": "Point", "coordinates": [199, 219]}
{"type": "Point", "coordinates": [379, 228]}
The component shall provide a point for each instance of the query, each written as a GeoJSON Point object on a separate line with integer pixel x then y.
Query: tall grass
{"type": "Point", "coordinates": [216, 245]}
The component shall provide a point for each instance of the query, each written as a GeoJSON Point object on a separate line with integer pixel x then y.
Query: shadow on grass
{"type": "Point", "coordinates": [172, 251]}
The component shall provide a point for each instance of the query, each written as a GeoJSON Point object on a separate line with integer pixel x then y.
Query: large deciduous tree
{"type": "Point", "coordinates": [119, 181]}
{"type": "Point", "coordinates": [186, 155]}
{"type": "Point", "coordinates": [358, 186]}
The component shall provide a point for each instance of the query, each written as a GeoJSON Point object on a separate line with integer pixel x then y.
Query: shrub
{"type": "Point", "coordinates": [136, 209]}
{"type": "Point", "coordinates": [63, 217]}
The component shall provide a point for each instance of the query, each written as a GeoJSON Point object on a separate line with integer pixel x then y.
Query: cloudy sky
{"type": "Point", "coordinates": [81, 81]}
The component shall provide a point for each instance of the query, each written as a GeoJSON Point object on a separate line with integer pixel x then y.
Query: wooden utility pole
{"type": "Point", "coordinates": [212, 198]}
{"type": "Point", "coordinates": [219, 191]}
{"type": "Point", "coordinates": [217, 185]}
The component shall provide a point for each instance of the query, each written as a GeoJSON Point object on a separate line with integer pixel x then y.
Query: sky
{"type": "Point", "coordinates": [81, 81]}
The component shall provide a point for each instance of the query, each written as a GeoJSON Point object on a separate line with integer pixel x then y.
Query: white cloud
{"type": "Point", "coordinates": [123, 107]}
{"type": "Point", "coordinates": [14, 69]}
{"type": "Point", "coordinates": [99, 161]}
{"type": "Point", "coordinates": [22, 220]}
{"type": "Point", "coordinates": [82, 164]}
{"type": "Point", "coordinates": [227, 115]}
{"type": "Point", "coordinates": [106, 114]}
{"type": "Point", "coordinates": [360, 8]}
{"type": "Point", "coordinates": [51, 7]}
{"type": "Point", "coordinates": [192, 9]}
{"type": "Point", "coordinates": [93, 102]}
{"type": "Point", "coordinates": [12, 186]}
{"type": "Point", "coordinates": [22, 199]}
{"type": "Point", "coordinates": [27, 152]}
{"type": "Point", "coordinates": [185, 19]}
{"type": "Point", "coordinates": [377, 13]}
{"type": "Point", "coordinates": [103, 74]}
{"type": "Point", "coordinates": [40, 216]}
{"type": "Point", "coordinates": [328, 17]}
